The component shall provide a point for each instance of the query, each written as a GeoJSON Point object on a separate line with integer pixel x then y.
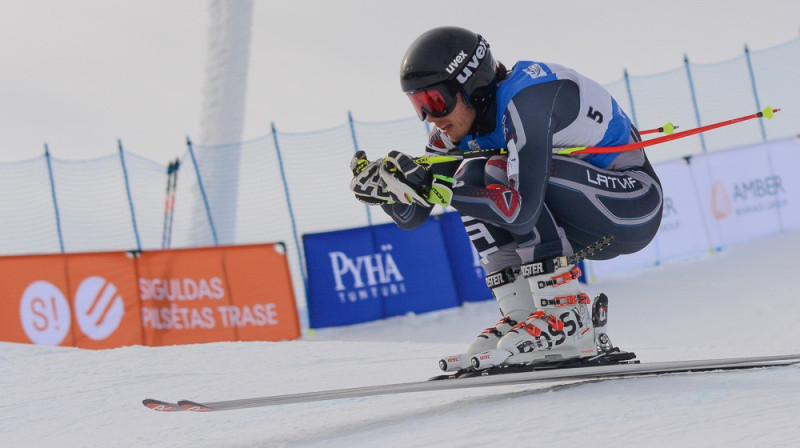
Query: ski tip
{"type": "Point", "coordinates": [161, 406]}
{"type": "Point", "coordinates": [193, 406]}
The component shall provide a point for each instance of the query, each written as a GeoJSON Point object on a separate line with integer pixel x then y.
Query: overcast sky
{"type": "Point", "coordinates": [80, 74]}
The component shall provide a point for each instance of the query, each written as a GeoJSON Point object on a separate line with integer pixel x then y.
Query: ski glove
{"type": "Point", "coordinates": [367, 184]}
{"type": "Point", "coordinates": [411, 183]}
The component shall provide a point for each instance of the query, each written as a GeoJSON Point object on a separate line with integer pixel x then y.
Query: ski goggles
{"type": "Point", "coordinates": [436, 101]}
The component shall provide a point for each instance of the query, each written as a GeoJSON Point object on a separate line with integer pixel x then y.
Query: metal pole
{"type": "Point", "coordinates": [300, 257]}
{"type": "Point", "coordinates": [176, 166]}
{"type": "Point", "coordinates": [55, 201]}
{"type": "Point", "coordinates": [202, 191]}
{"type": "Point", "coordinates": [630, 97]}
{"type": "Point", "coordinates": [355, 149]}
{"type": "Point", "coordinates": [694, 99]}
{"type": "Point", "coordinates": [755, 91]}
{"type": "Point", "coordinates": [128, 191]}
{"type": "Point", "coordinates": [170, 168]}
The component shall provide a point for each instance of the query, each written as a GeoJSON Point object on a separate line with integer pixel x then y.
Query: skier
{"type": "Point", "coordinates": [527, 211]}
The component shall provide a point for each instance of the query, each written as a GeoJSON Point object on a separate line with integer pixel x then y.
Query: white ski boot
{"type": "Point", "coordinates": [561, 327]}
{"type": "Point", "coordinates": [513, 295]}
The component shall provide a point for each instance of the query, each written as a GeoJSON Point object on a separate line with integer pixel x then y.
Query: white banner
{"type": "Point", "coordinates": [743, 193]}
{"type": "Point", "coordinates": [682, 232]}
{"type": "Point", "coordinates": [718, 200]}
{"type": "Point", "coordinates": [785, 157]}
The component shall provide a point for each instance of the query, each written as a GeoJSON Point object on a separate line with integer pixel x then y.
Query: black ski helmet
{"type": "Point", "coordinates": [454, 57]}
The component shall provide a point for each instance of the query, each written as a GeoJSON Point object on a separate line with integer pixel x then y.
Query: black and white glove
{"type": "Point", "coordinates": [367, 184]}
{"type": "Point", "coordinates": [406, 180]}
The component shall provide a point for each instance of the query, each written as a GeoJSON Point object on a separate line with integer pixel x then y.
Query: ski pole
{"type": "Point", "coordinates": [172, 202]}
{"type": "Point", "coordinates": [767, 113]}
{"type": "Point", "coordinates": [170, 169]}
{"type": "Point", "coordinates": [668, 129]}
{"type": "Point", "coordinates": [456, 157]}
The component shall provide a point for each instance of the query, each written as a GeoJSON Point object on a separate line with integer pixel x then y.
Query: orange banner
{"type": "Point", "coordinates": [218, 294]}
{"type": "Point", "coordinates": [35, 304]}
{"type": "Point", "coordinates": [104, 300]}
{"type": "Point", "coordinates": [105, 312]}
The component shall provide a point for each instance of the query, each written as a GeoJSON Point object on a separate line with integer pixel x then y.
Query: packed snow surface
{"type": "Point", "coordinates": [738, 302]}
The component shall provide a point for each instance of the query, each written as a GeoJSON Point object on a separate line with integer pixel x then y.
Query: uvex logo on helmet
{"type": "Point", "coordinates": [453, 65]}
{"type": "Point", "coordinates": [472, 64]}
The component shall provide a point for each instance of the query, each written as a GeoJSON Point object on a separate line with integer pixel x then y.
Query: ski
{"type": "Point", "coordinates": [161, 406]}
{"type": "Point", "coordinates": [611, 357]}
{"type": "Point", "coordinates": [613, 371]}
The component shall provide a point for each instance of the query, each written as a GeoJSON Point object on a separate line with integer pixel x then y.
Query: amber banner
{"type": "Point", "coordinates": [112, 299]}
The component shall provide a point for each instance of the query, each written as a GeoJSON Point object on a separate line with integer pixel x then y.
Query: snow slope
{"type": "Point", "coordinates": [738, 302]}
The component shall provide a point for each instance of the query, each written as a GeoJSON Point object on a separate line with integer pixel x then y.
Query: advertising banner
{"type": "Point", "coordinates": [785, 158]}
{"type": "Point", "coordinates": [469, 275]}
{"type": "Point", "coordinates": [646, 257]}
{"type": "Point", "coordinates": [421, 259]}
{"type": "Point", "coordinates": [369, 273]}
{"type": "Point", "coordinates": [682, 233]}
{"type": "Point", "coordinates": [742, 193]}
{"type": "Point", "coordinates": [83, 300]}
{"type": "Point", "coordinates": [35, 306]}
{"type": "Point", "coordinates": [345, 279]}
{"type": "Point", "coordinates": [720, 199]}
{"type": "Point", "coordinates": [230, 293]}
{"type": "Point", "coordinates": [106, 300]}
